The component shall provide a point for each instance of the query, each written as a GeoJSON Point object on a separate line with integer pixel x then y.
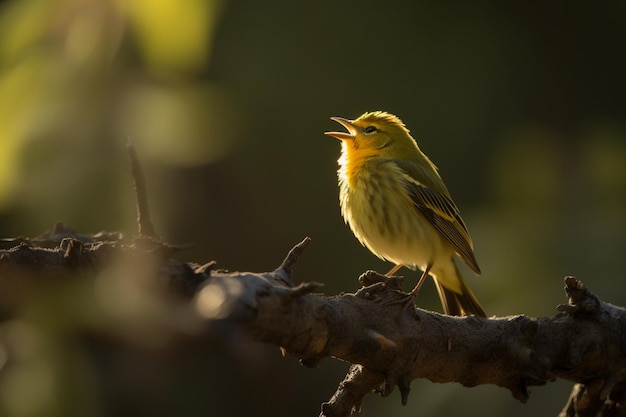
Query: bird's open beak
{"type": "Point", "coordinates": [350, 134]}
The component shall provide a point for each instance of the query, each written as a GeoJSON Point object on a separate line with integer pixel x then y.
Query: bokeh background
{"type": "Point", "coordinates": [520, 104]}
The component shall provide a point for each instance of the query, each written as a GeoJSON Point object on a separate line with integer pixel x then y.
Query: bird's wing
{"type": "Point", "coordinates": [442, 213]}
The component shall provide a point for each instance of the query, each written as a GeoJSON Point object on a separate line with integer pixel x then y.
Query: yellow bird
{"type": "Point", "coordinates": [398, 206]}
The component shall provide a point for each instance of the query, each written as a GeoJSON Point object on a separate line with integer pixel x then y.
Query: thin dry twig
{"type": "Point", "coordinates": [144, 222]}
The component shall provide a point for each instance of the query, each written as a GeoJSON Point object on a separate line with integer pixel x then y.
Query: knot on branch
{"type": "Point", "coordinates": [374, 284]}
{"type": "Point", "coordinates": [581, 300]}
{"type": "Point", "coordinates": [74, 252]}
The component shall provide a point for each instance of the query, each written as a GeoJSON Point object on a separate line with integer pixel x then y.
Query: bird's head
{"type": "Point", "coordinates": [377, 134]}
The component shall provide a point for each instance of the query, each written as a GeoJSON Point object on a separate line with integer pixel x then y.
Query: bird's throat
{"type": "Point", "coordinates": [352, 160]}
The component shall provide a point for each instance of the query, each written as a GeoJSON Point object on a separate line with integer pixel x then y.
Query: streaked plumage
{"type": "Point", "coordinates": [397, 206]}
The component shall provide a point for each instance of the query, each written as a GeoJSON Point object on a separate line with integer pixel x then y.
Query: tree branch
{"type": "Point", "coordinates": [380, 329]}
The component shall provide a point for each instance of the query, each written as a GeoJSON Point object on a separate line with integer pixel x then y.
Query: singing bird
{"type": "Point", "coordinates": [397, 206]}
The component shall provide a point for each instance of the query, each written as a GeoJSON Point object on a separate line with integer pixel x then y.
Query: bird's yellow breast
{"type": "Point", "coordinates": [376, 205]}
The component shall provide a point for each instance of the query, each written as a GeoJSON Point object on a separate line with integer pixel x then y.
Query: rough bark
{"type": "Point", "coordinates": [378, 329]}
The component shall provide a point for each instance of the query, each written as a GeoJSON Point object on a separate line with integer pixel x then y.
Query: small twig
{"type": "Point", "coordinates": [144, 222]}
{"type": "Point", "coordinates": [285, 270]}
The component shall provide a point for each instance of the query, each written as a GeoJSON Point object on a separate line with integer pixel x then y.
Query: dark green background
{"type": "Point", "coordinates": [520, 104]}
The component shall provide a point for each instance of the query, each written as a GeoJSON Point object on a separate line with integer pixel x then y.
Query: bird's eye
{"type": "Point", "coordinates": [370, 129]}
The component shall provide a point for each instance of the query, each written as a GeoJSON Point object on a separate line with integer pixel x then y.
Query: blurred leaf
{"type": "Point", "coordinates": [173, 35]}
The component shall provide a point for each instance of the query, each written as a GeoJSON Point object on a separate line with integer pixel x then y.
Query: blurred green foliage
{"type": "Point", "coordinates": [521, 105]}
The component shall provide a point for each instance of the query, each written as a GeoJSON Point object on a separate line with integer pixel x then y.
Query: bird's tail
{"type": "Point", "coordinates": [459, 304]}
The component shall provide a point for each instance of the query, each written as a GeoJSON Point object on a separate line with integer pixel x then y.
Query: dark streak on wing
{"type": "Point", "coordinates": [445, 217]}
